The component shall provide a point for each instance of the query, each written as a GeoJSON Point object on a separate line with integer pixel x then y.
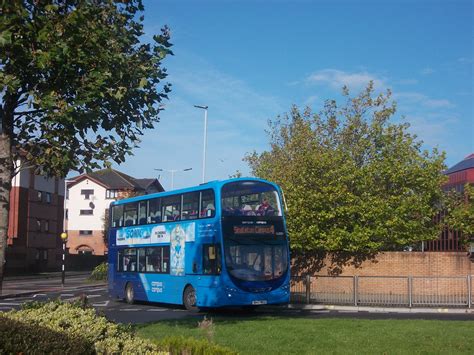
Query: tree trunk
{"type": "Point", "coordinates": [6, 173]}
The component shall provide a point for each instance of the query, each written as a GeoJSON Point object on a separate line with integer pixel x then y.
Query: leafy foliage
{"type": "Point", "coordinates": [57, 327]}
{"type": "Point", "coordinates": [354, 181]}
{"type": "Point", "coordinates": [99, 273]}
{"type": "Point", "coordinates": [460, 211]}
{"type": "Point", "coordinates": [78, 87]}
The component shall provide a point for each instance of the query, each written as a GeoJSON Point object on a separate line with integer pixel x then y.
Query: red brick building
{"type": "Point", "coordinates": [459, 175]}
{"type": "Point", "coordinates": [35, 222]}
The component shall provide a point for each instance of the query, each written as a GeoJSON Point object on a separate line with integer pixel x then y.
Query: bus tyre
{"type": "Point", "coordinates": [189, 299]}
{"type": "Point", "coordinates": [129, 294]}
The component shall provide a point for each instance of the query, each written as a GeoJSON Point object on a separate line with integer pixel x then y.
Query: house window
{"type": "Point", "coordinates": [85, 232]}
{"type": "Point", "coordinates": [67, 213]}
{"type": "Point", "coordinates": [111, 194]}
{"type": "Point", "coordinates": [46, 226]}
{"type": "Point", "coordinates": [38, 225]}
{"type": "Point", "coordinates": [86, 212]}
{"type": "Point", "coordinates": [40, 195]}
{"type": "Point", "coordinates": [48, 197]}
{"type": "Point", "coordinates": [87, 193]}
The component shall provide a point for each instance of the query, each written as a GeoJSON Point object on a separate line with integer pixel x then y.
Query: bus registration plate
{"type": "Point", "coordinates": [259, 302]}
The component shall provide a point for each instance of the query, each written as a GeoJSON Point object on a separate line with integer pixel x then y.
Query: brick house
{"type": "Point", "coordinates": [87, 202]}
{"type": "Point", "coordinates": [35, 222]}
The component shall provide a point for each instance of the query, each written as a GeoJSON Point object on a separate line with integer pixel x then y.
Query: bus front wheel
{"type": "Point", "coordinates": [129, 294]}
{"type": "Point", "coordinates": [189, 299]}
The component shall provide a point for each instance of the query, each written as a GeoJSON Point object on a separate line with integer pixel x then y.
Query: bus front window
{"type": "Point", "coordinates": [256, 261]}
{"type": "Point", "coordinates": [250, 198]}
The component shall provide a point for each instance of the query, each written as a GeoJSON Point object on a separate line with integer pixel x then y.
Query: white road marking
{"type": "Point", "coordinates": [10, 304]}
{"type": "Point", "coordinates": [102, 304]}
{"type": "Point", "coordinates": [93, 296]}
{"type": "Point", "coordinates": [130, 309]}
{"type": "Point", "coordinates": [157, 309]}
{"type": "Point", "coordinates": [39, 294]}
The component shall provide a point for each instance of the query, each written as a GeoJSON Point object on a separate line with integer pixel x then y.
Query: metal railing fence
{"type": "Point", "coordinates": [398, 291]}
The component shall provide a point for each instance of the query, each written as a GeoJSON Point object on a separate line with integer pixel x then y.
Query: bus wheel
{"type": "Point", "coordinates": [189, 299]}
{"type": "Point", "coordinates": [129, 294]}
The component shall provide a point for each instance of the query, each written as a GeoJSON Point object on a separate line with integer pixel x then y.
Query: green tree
{"type": "Point", "coordinates": [459, 212]}
{"type": "Point", "coordinates": [354, 181]}
{"type": "Point", "coordinates": [78, 86]}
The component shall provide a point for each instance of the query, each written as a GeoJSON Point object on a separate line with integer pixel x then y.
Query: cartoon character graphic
{"type": "Point", "coordinates": [178, 239]}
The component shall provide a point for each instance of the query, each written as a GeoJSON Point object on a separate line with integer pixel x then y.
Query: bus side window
{"type": "Point", "coordinates": [154, 211]}
{"type": "Point", "coordinates": [130, 215]}
{"type": "Point", "coordinates": [120, 261]}
{"type": "Point", "coordinates": [208, 208]}
{"type": "Point", "coordinates": [190, 205]}
{"type": "Point", "coordinates": [130, 260]}
{"type": "Point", "coordinates": [171, 207]}
{"type": "Point", "coordinates": [142, 212]}
{"type": "Point", "coordinates": [117, 216]}
{"type": "Point", "coordinates": [211, 259]}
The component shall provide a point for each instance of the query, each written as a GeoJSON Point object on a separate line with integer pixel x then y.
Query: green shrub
{"type": "Point", "coordinates": [21, 337]}
{"type": "Point", "coordinates": [61, 327]}
{"type": "Point", "coordinates": [99, 273]}
{"type": "Point", "coordinates": [182, 345]}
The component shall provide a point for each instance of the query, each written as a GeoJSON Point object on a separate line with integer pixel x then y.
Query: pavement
{"type": "Point", "coordinates": [24, 285]}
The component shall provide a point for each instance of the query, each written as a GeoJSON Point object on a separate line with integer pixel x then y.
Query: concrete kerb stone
{"type": "Point", "coordinates": [356, 309]}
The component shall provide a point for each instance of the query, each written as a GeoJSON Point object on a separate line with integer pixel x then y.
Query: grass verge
{"type": "Point", "coordinates": [270, 335]}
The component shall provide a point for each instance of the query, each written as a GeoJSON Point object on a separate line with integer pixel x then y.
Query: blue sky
{"type": "Point", "coordinates": [250, 60]}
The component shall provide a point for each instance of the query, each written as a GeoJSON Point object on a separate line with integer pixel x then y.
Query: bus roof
{"type": "Point", "coordinates": [214, 184]}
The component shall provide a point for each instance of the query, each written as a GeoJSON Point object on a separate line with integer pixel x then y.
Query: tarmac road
{"type": "Point", "coordinates": [34, 289]}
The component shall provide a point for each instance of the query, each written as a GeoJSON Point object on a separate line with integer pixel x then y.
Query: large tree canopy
{"type": "Point", "coordinates": [354, 180]}
{"type": "Point", "coordinates": [77, 86]}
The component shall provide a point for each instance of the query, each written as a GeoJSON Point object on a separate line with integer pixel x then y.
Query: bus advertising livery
{"type": "Point", "coordinates": [219, 244]}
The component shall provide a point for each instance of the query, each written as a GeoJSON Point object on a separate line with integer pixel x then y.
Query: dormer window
{"type": "Point", "coordinates": [111, 194]}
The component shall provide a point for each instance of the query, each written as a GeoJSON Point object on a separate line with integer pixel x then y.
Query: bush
{"type": "Point", "coordinates": [21, 337]}
{"type": "Point", "coordinates": [60, 327]}
{"type": "Point", "coordinates": [99, 273]}
{"type": "Point", "coordinates": [182, 345]}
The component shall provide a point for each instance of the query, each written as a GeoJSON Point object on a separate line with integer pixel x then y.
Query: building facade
{"type": "Point", "coordinates": [459, 175]}
{"type": "Point", "coordinates": [87, 203]}
{"type": "Point", "coordinates": [35, 222]}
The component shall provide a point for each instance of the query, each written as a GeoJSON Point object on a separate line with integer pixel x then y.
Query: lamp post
{"type": "Point", "coordinates": [172, 171]}
{"type": "Point", "coordinates": [63, 270]}
{"type": "Point", "coordinates": [205, 142]}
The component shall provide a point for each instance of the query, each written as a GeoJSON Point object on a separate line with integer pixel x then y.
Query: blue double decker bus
{"type": "Point", "coordinates": [223, 243]}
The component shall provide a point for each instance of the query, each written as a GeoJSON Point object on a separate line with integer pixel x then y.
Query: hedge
{"type": "Point", "coordinates": [60, 327]}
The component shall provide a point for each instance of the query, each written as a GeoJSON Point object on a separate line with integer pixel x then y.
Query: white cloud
{"type": "Point", "coordinates": [410, 98]}
{"type": "Point", "coordinates": [336, 79]}
{"type": "Point", "coordinates": [427, 71]}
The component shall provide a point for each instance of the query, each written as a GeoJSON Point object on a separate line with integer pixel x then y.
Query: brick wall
{"type": "Point", "coordinates": [405, 264]}
{"type": "Point", "coordinates": [441, 274]}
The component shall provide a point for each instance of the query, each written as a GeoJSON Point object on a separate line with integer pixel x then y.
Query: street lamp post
{"type": "Point", "coordinates": [63, 268]}
{"type": "Point", "coordinates": [205, 142]}
{"type": "Point", "coordinates": [172, 171]}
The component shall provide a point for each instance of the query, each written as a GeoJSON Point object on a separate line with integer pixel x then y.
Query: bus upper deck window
{"type": "Point", "coordinates": [117, 216]}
